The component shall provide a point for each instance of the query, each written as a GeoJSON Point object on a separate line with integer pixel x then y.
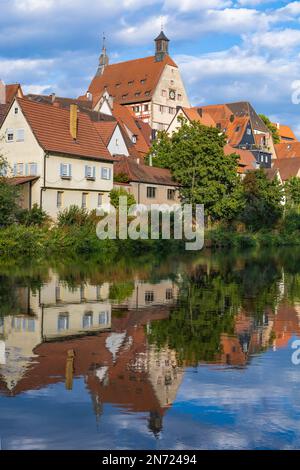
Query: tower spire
{"type": "Point", "coordinates": [161, 46]}
{"type": "Point", "coordinates": [103, 59]}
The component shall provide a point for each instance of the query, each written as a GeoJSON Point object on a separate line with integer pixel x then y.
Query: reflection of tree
{"type": "Point", "coordinates": [121, 291]}
{"type": "Point", "coordinates": [206, 309]}
{"type": "Point", "coordinates": [210, 299]}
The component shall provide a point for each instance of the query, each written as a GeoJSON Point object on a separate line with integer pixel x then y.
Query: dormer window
{"type": "Point", "coordinates": [134, 139]}
{"type": "Point", "coordinates": [238, 129]}
{"type": "Point", "coordinates": [143, 81]}
{"type": "Point", "coordinates": [124, 96]}
{"type": "Point", "coordinates": [138, 93]}
{"type": "Point", "coordinates": [131, 82]}
{"type": "Point", "coordinates": [147, 93]}
{"type": "Point", "coordinates": [118, 85]}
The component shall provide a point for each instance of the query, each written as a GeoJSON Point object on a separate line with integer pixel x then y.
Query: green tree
{"type": "Point", "coordinates": [34, 216]}
{"type": "Point", "coordinates": [9, 195]}
{"type": "Point", "coordinates": [292, 192]}
{"type": "Point", "coordinates": [115, 195]}
{"type": "Point", "coordinates": [195, 155]}
{"type": "Point", "coordinates": [272, 128]}
{"type": "Point", "coordinates": [262, 201]}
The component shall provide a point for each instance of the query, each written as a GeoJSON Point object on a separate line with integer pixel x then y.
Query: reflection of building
{"type": "Point", "coordinates": [110, 352]}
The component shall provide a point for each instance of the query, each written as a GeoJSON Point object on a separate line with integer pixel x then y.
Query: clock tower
{"type": "Point", "coordinates": [161, 47]}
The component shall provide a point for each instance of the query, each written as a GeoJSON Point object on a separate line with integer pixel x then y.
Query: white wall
{"type": "Point", "coordinates": [117, 144]}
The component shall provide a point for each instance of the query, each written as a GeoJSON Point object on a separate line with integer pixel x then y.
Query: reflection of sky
{"type": "Point", "coordinates": [215, 408]}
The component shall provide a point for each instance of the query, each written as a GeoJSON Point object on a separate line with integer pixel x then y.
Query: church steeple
{"type": "Point", "coordinates": [161, 47]}
{"type": "Point", "coordinates": [103, 59]}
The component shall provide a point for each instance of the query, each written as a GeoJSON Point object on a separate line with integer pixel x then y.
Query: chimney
{"type": "Point", "coordinates": [278, 125]}
{"type": "Point", "coordinates": [52, 96]}
{"type": "Point", "coordinates": [2, 92]}
{"type": "Point", "coordinates": [89, 96]}
{"type": "Point", "coordinates": [73, 121]}
{"type": "Point", "coordinates": [138, 161]}
{"type": "Point", "coordinates": [200, 112]}
{"type": "Point", "coordinates": [111, 101]}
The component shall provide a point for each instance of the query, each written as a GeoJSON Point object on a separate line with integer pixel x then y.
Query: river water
{"type": "Point", "coordinates": [194, 352]}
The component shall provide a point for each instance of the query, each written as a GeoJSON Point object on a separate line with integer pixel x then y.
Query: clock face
{"type": "Point", "coordinates": [172, 95]}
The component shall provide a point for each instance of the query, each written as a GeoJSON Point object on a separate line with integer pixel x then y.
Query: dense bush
{"type": "Point", "coordinates": [35, 216]}
{"type": "Point", "coordinates": [115, 195]}
{"type": "Point", "coordinates": [74, 216]}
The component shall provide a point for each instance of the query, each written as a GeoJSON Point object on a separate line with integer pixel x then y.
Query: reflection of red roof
{"type": "Point", "coordinates": [286, 324]}
{"type": "Point", "coordinates": [129, 82]}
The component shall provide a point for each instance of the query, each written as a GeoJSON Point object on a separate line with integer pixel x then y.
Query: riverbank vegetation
{"type": "Point", "coordinates": [253, 211]}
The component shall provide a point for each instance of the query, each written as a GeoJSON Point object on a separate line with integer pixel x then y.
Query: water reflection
{"type": "Point", "coordinates": [132, 338]}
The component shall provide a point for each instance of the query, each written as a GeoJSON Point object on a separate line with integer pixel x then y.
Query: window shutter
{"type": "Point", "coordinates": [86, 171]}
{"type": "Point", "coordinates": [26, 169]}
{"type": "Point", "coordinates": [70, 170]}
{"type": "Point", "coordinates": [109, 174]}
{"type": "Point", "coordinates": [61, 169]}
{"type": "Point", "coordinates": [15, 169]}
{"type": "Point", "coordinates": [35, 170]}
{"type": "Point", "coordinates": [94, 172]}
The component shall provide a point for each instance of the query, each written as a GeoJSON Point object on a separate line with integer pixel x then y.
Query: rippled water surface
{"type": "Point", "coordinates": [154, 353]}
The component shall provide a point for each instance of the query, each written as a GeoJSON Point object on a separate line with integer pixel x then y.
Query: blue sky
{"type": "Point", "coordinates": [228, 50]}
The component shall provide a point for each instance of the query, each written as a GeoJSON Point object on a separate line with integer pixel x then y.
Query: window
{"type": "Point", "coordinates": [134, 139]}
{"type": "Point", "coordinates": [106, 173]}
{"type": "Point", "coordinates": [161, 109]}
{"type": "Point", "coordinates": [104, 318]}
{"type": "Point", "coordinates": [163, 93]}
{"type": "Point", "coordinates": [100, 199]}
{"type": "Point", "coordinates": [249, 131]}
{"type": "Point", "coordinates": [131, 82]}
{"type": "Point", "coordinates": [151, 192]}
{"type": "Point", "coordinates": [118, 85]}
{"type": "Point", "coordinates": [124, 96]}
{"type": "Point", "coordinates": [179, 97]}
{"type": "Point", "coordinates": [238, 129]}
{"type": "Point", "coordinates": [149, 297]}
{"type": "Point", "coordinates": [146, 107]}
{"type": "Point", "coordinates": [171, 194]}
{"type": "Point", "coordinates": [63, 322]}
{"type": "Point", "coordinates": [20, 135]}
{"type": "Point", "coordinates": [10, 135]}
{"type": "Point", "coordinates": [57, 294]}
{"type": "Point", "coordinates": [172, 82]}
{"type": "Point", "coordinates": [266, 159]}
{"type": "Point", "coordinates": [32, 169]}
{"type": "Point", "coordinates": [138, 93]}
{"type": "Point", "coordinates": [84, 200]}
{"type": "Point", "coordinates": [65, 171]}
{"type": "Point", "coordinates": [59, 199]}
{"type": "Point", "coordinates": [20, 169]}
{"type": "Point", "coordinates": [219, 127]}
{"type": "Point", "coordinates": [82, 294]}
{"type": "Point", "coordinates": [169, 294]}
{"type": "Point", "coordinates": [143, 81]}
{"type": "Point", "coordinates": [136, 109]}
{"type": "Point", "coordinates": [147, 93]}
{"type": "Point", "coordinates": [171, 111]}
{"type": "Point", "coordinates": [16, 111]}
{"type": "Point", "coordinates": [90, 172]}
{"type": "Point", "coordinates": [87, 321]}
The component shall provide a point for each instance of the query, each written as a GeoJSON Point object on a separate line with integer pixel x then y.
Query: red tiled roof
{"type": "Point", "coordinates": [288, 167]}
{"type": "Point", "coordinates": [19, 180]}
{"type": "Point", "coordinates": [285, 133]}
{"type": "Point", "coordinates": [128, 82]}
{"type": "Point", "coordinates": [247, 159]}
{"type": "Point", "coordinates": [195, 114]}
{"type": "Point", "coordinates": [144, 174]}
{"type": "Point", "coordinates": [236, 130]}
{"type": "Point", "coordinates": [3, 110]}
{"type": "Point", "coordinates": [12, 91]}
{"type": "Point", "coordinates": [51, 127]}
{"type": "Point", "coordinates": [288, 150]}
{"type": "Point", "coordinates": [127, 120]}
{"type": "Point", "coordinates": [106, 129]}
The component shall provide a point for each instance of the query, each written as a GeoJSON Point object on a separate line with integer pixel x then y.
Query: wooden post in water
{"type": "Point", "coordinates": [70, 369]}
